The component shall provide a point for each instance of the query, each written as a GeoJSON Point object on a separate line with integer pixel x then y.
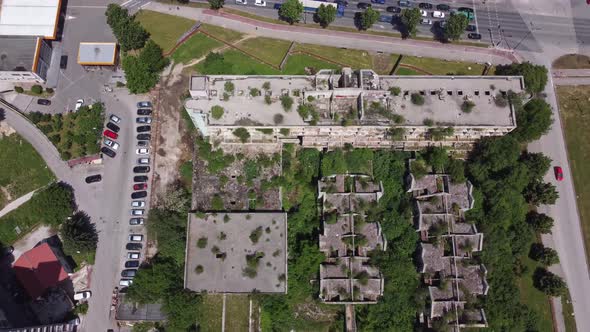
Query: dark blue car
{"type": "Point", "coordinates": [385, 18]}
{"type": "Point", "coordinates": [378, 1]}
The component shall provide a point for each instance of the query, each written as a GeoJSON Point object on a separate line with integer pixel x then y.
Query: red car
{"type": "Point", "coordinates": [110, 134]}
{"type": "Point", "coordinates": [558, 173]}
{"type": "Point", "coordinates": [140, 186]}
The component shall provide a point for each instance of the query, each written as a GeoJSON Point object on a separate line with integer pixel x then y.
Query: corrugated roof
{"type": "Point", "coordinates": [39, 269]}
{"type": "Point", "coordinates": [29, 17]}
{"type": "Point", "coordinates": [97, 53]}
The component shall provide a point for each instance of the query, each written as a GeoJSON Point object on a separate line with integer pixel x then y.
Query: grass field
{"type": "Point", "coordinates": [226, 35]}
{"type": "Point", "coordinates": [568, 313]}
{"type": "Point", "coordinates": [267, 49]}
{"type": "Point", "coordinates": [164, 29]}
{"type": "Point", "coordinates": [198, 45]}
{"type": "Point", "coordinates": [356, 59]}
{"type": "Point", "coordinates": [23, 169]}
{"type": "Point", "coordinates": [211, 315]}
{"type": "Point", "coordinates": [574, 106]}
{"type": "Point", "coordinates": [572, 61]}
{"type": "Point", "coordinates": [443, 67]}
{"type": "Point", "coordinates": [406, 71]}
{"type": "Point", "coordinates": [535, 299]}
{"type": "Point", "coordinates": [297, 63]}
{"type": "Point", "coordinates": [237, 309]}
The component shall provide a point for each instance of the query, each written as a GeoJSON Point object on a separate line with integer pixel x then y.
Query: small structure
{"type": "Point", "coordinates": [128, 313]}
{"type": "Point", "coordinates": [237, 252]}
{"type": "Point", "coordinates": [97, 54]}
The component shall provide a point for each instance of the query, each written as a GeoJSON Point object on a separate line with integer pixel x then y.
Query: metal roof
{"type": "Point", "coordinates": [17, 53]}
{"type": "Point", "coordinates": [97, 54]}
{"type": "Point", "coordinates": [29, 17]}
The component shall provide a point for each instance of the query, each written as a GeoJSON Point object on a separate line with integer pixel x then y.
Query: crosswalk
{"type": "Point", "coordinates": [135, 5]}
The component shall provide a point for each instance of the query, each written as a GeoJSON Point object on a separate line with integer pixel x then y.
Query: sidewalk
{"type": "Point", "coordinates": [16, 203]}
{"type": "Point", "coordinates": [340, 39]}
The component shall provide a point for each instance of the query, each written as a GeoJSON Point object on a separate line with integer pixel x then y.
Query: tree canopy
{"type": "Point", "coordinates": [79, 234]}
{"type": "Point", "coordinates": [291, 11]}
{"type": "Point", "coordinates": [54, 203]}
{"type": "Point", "coordinates": [549, 283]}
{"type": "Point", "coordinates": [533, 120]}
{"type": "Point", "coordinates": [143, 72]}
{"type": "Point", "coordinates": [535, 76]}
{"type": "Point", "coordinates": [410, 19]}
{"type": "Point", "coordinates": [540, 222]}
{"type": "Point", "coordinates": [216, 4]}
{"type": "Point", "coordinates": [544, 255]}
{"type": "Point", "coordinates": [129, 33]}
{"type": "Point", "coordinates": [365, 20]}
{"type": "Point", "coordinates": [455, 26]}
{"type": "Point", "coordinates": [325, 15]}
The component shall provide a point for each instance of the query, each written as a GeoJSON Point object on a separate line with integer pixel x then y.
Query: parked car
{"type": "Point", "coordinates": [144, 104]}
{"type": "Point", "coordinates": [134, 246]}
{"type": "Point", "coordinates": [442, 24]}
{"type": "Point", "coordinates": [141, 169]}
{"type": "Point", "coordinates": [443, 7]}
{"type": "Point", "coordinates": [143, 144]}
{"type": "Point", "coordinates": [425, 21]}
{"type": "Point", "coordinates": [115, 118]}
{"type": "Point", "coordinates": [140, 186]}
{"type": "Point", "coordinates": [113, 127]}
{"type": "Point", "coordinates": [80, 296]}
{"type": "Point", "coordinates": [423, 13]}
{"type": "Point", "coordinates": [133, 255]}
{"type": "Point", "coordinates": [125, 282]}
{"type": "Point", "coordinates": [135, 237]}
{"type": "Point", "coordinates": [138, 204]}
{"type": "Point", "coordinates": [474, 35]}
{"type": "Point", "coordinates": [79, 104]}
{"type": "Point", "coordinates": [138, 194]}
{"type": "Point", "coordinates": [144, 119]}
{"type": "Point", "coordinates": [241, 2]}
{"type": "Point", "coordinates": [108, 152]}
{"type": "Point", "coordinates": [425, 5]}
{"type": "Point", "coordinates": [143, 161]}
{"type": "Point", "coordinates": [142, 151]}
{"type": "Point", "coordinates": [129, 273]}
{"type": "Point", "coordinates": [437, 14]}
{"type": "Point", "coordinates": [142, 129]}
{"type": "Point", "coordinates": [395, 10]}
{"type": "Point", "coordinates": [342, 3]}
{"type": "Point", "coordinates": [381, 2]}
{"type": "Point", "coordinates": [363, 5]}
{"type": "Point", "coordinates": [404, 3]}
{"type": "Point", "coordinates": [93, 178]}
{"type": "Point", "coordinates": [468, 12]}
{"type": "Point", "coordinates": [471, 27]}
{"type": "Point", "coordinates": [132, 264]}
{"type": "Point", "coordinates": [137, 212]}
{"type": "Point", "coordinates": [558, 173]}
{"type": "Point", "coordinates": [44, 102]}
{"type": "Point", "coordinates": [385, 18]}
{"type": "Point", "coordinates": [111, 144]}
{"type": "Point", "coordinates": [144, 111]}
{"type": "Point", "coordinates": [63, 62]}
{"type": "Point", "coordinates": [260, 3]}
{"type": "Point", "coordinates": [136, 221]}
{"type": "Point", "coordinates": [145, 137]}
{"type": "Point", "coordinates": [140, 178]}
{"type": "Point", "coordinates": [110, 134]}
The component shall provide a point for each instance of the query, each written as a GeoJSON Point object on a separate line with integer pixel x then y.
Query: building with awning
{"type": "Point", "coordinates": [97, 54]}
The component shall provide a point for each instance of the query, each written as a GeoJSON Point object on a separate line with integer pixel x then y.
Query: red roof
{"type": "Point", "coordinates": [39, 269]}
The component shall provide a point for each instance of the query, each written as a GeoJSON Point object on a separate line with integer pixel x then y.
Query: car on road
{"type": "Point", "coordinates": [93, 178]}
{"type": "Point", "coordinates": [111, 144]}
{"type": "Point", "coordinates": [136, 221]}
{"type": "Point", "coordinates": [142, 129]}
{"type": "Point", "coordinates": [108, 152]}
{"type": "Point", "coordinates": [131, 264]}
{"type": "Point", "coordinates": [79, 104]}
{"type": "Point", "coordinates": [558, 173]}
{"type": "Point", "coordinates": [115, 118]}
{"type": "Point", "coordinates": [342, 3]}
{"type": "Point", "coordinates": [474, 35]}
{"type": "Point", "coordinates": [144, 111]}
{"type": "Point", "coordinates": [140, 178]}
{"type": "Point", "coordinates": [44, 102]}
{"type": "Point", "coordinates": [138, 194]}
{"type": "Point", "coordinates": [381, 2]}
{"type": "Point", "coordinates": [242, 2]}
{"type": "Point", "coordinates": [138, 204]}
{"type": "Point", "coordinates": [125, 282]}
{"type": "Point", "coordinates": [142, 151]}
{"type": "Point", "coordinates": [80, 296]}
{"type": "Point", "coordinates": [144, 104]}
{"type": "Point", "coordinates": [437, 14]}
{"type": "Point", "coordinates": [404, 3]}
{"type": "Point", "coordinates": [392, 9]}
{"type": "Point", "coordinates": [137, 212]}
{"type": "Point", "coordinates": [425, 21]}
{"type": "Point", "coordinates": [385, 18]}
{"type": "Point", "coordinates": [143, 161]}
{"type": "Point", "coordinates": [110, 134]}
{"type": "Point", "coordinates": [113, 127]}
{"type": "Point", "coordinates": [140, 186]}
{"type": "Point", "coordinates": [260, 3]}
{"type": "Point", "coordinates": [145, 119]}
{"type": "Point", "coordinates": [443, 7]}
{"type": "Point", "coordinates": [363, 5]}
{"type": "Point", "coordinates": [135, 237]}
{"type": "Point", "coordinates": [129, 273]}
{"type": "Point", "coordinates": [423, 13]}
{"type": "Point", "coordinates": [133, 255]}
{"type": "Point", "coordinates": [141, 169]}
{"type": "Point", "coordinates": [471, 27]}
{"type": "Point", "coordinates": [133, 246]}
{"type": "Point", "coordinates": [425, 5]}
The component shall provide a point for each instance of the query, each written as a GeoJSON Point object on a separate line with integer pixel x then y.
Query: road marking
{"type": "Point", "coordinates": [475, 15]}
{"type": "Point", "coordinates": [147, 3]}
{"type": "Point", "coordinates": [92, 7]}
{"type": "Point", "coordinates": [126, 2]}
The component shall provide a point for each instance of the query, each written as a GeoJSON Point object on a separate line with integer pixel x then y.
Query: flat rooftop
{"type": "Point", "coordinates": [18, 53]}
{"type": "Point", "coordinates": [222, 257]}
{"type": "Point", "coordinates": [97, 54]}
{"type": "Point", "coordinates": [29, 18]}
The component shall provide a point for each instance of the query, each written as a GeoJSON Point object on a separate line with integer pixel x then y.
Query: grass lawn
{"type": "Point", "coordinates": [535, 299]}
{"type": "Point", "coordinates": [237, 308]}
{"type": "Point", "coordinates": [164, 29]}
{"type": "Point", "coordinates": [444, 67]}
{"type": "Point", "coordinates": [198, 45]}
{"type": "Point", "coordinates": [186, 174]}
{"type": "Point", "coordinates": [23, 169]}
{"type": "Point", "coordinates": [406, 71]}
{"type": "Point", "coordinates": [237, 63]}
{"type": "Point", "coordinates": [226, 35]}
{"type": "Point", "coordinates": [573, 106]}
{"type": "Point", "coordinates": [297, 63]}
{"type": "Point", "coordinates": [211, 314]}
{"type": "Point", "coordinates": [267, 49]}
{"type": "Point", "coordinates": [572, 61]}
{"type": "Point", "coordinates": [356, 59]}
{"type": "Point", "coordinates": [568, 313]}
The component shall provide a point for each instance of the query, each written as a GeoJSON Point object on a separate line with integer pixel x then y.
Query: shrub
{"type": "Point", "coordinates": [467, 106]}
{"type": "Point", "coordinates": [202, 242]}
{"type": "Point", "coordinates": [216, 112]}
{"type": "Point", "coordinates": [286, 102]}
{"type": "Point", "coordinates": [266, 86]}
{"type": "Point", "coordinates": [428, 122]}
{"type": "Point", "coordinates": [395, 90]}
{"type": "Point", "coordinates": [81, 308]}
{"type": "Point", "coordinates": [217, 203]}
{"type": "Point", "coordinates": [284, 131]}
{"type": "Point", "coordinates": [19, 89]}
{"type": "Point", "coordinates": [278, 118]}
{"type": "Point", "coordinates": [49, 90]}
{"type": "Point", "coordinates": [242, 133]}
{"type": "Point", "coordinates": [229, 87]}
{"type": "Point", "coordinates": [417, 99]}
{"type": "Point", "coordinates": [226, 96]}
{"type": "Point", "coordinates": [199, 269]}
{"type": "Point", "coordinates": [37, 89]}
{"type": "Point", "coordinates": [500, 100]}
{"type": "Point", "coordinates": [256, 234]}
{"type": "Point", "coordinates": [267, 99]}
{"type": "Point", "coordinates": [254, 92]}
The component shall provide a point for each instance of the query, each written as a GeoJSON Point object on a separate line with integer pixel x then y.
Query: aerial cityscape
{"type": "Point", "coordinates": [294, 165]}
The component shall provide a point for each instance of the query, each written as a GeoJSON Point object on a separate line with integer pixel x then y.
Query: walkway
{"type": "Point", "coordinates": [16, 203]}
{"type": "Point", "coordinates": [368, 42]}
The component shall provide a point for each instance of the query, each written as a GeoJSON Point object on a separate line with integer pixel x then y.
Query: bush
{"type": "Point", "coordinates": [37, 89]}
{"type": "Point", "coordinates": [19, 89]}
{"type": "Point", "coordinates": [217, 203]}
{"type": "Point", "coordinates": [242, 133]}
{"type": "Point", "coordinates": [229, 87]}
{"type": "Point", "coordinates": [216, 4]}
{"type": "Point", "coordinates": [49, 90]}
{"type": "Point", "coordinates": [216, 112]}
{"type": "Point", "coordinates": [266, 86]}
{"type": "Point", "coordinates": [278, 118]}
{"type": "Point", "coordinates": [428, 122]}
{"type": "Point", "coordinates": [254, 92]}
{"type": "Point", "coordinates": [202, 243]}
{"type": "Point", "coordinates": [286, 102]}
{"type": "Point", "coordinates": [199, 269]}
{"type": "Point", "coordinates": [467, 106]}
{"type": "Point", "coordinates": [267, 100]}
{"type": "Point", "coordinates": [417, 99]}
{"type": "Point", "coordinates": [81, 308]}
{"type": "Point", "coordinates": [395, 90]}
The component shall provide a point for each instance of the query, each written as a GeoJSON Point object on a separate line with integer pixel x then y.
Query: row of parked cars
{"type": "Point", "coordinates": [138, 203]}
{"type": "Point", "coordinates": [111, 134]}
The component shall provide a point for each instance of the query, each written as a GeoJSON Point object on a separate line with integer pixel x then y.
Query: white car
{"type": "Point", "coordinates": [438, 14]}
{"type": "Point", "coordinates": [133, 255]}
{"type": "Point", "coordinates": [142, 151]}
{"type": "Point", "coordinates": [85, 295]}
{"type": "Point", "coordinates": [135, 237]}
{"type": "Point", "coordinates": [125, 282]}
{"type": "Point", "coordinates": [260, 3]}
{"type": "Point", "coordinates": [111, 144]}
{"type": "Point", "coordinates": [79, 104]}
{"type": "Point", "coordinates": [137, 212]}
{"type": "Point", "coordinates": [143, 161]}
{"type": "Point", "coordinates": [426, 21]}
{"type": "Point", "coordinates": [241, 2]}
{"type": "Point", "coordinates": [138, 204]}
{"type": "Point", "coordinates": [115, 118]}
{"type": "Point", "coordinates": [423, 13]}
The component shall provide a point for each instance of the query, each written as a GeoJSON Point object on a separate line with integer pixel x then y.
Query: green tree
{"type": "Point", "coordinates": [438, 158]}
{"type": "Point", "coordinates": [140, 77]}
{"type": "Point", "coordinates": [540, 222]}
{"type": "Point", "coordinates": [242, 133]}
{"type": "Point", "coordinates": [129, 33]}
{"type": "Point", "coordinates": [181, 308]}
{"type": "Point", "coordinates": [291, 11]}
{"type": "Point", "coordinates": [538, 193]}
{"type": "Point", "coordinates": [53, 204]}
{"type": "Point", "coordinates": [544, 255]}
{"type": "Point", "coordinates": [537, 164]}
{"type": "Point", "coordinates": [535, 76]}
{"type": "Point", "coordinates": [151, 55]}
{"type": "Point", "coordinates": [217, 112]}
{"type": "Point", "coordinates": [534, 120]}
{"type": "Point", "coordinates": [216, 4]}
{"type": "Point", "coordinates": [456, 169]}
{"type": "Point", "coordinates": [170, 230]}
{"type": "Point", "coordinates": [549, 283]}
{"type": "Point", "coordinates": [365, 20]}
{"type": "Point", "coordinates": [455, 26]}
{"type": "Point", "coordinates": [155, 281]}
{"type": "Point", "coordinates": [325, 15]}
{"type": "Point", "coordinates": [417, 99]}
{"type": "Point", "coordinates": [410, 19]}
{"type": "Point", "coordinates": [79, 234]}
{"type": "Point", "coordinates": [286, 102]}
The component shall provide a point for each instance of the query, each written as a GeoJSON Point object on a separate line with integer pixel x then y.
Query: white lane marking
{"type": "Point", "coordinates": [147, 3]}
{"type": "Point", "coordinates": [126, 2]}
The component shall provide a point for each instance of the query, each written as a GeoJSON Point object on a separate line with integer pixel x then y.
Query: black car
{"type": "Point", "coordinates": [146, 137]}
{"type": "Point", "coordinates": [424, 5]}
{"type": "Point", "coordinates": [108, 152]}
{"type": "Point", "coordinates": [139, 194]}
{"type": "Point", "coordinates": [143, 144]}
{"type": "Point", "coordinates": [465, 9]}
{"type": "Point", "coordinates": [471, 27]}
{"type": "Point", "coordinates": [140, 178]}
{"type": "Point", "coordinates": [342, 3]}
{"type": "Point", "coordinates": [142, 129]}
{"type": "Point", "coordinates": [144, 111]}
{"type": "Point", "coordinates": [113, 127]}
{"type": "Point", "coordinates": [443, 7]}
{"type": "Point", "coordinates": [63, 62]}
{"type": "Point", "coordinates": [133, 246]}
{"type": "Point", "coordinates": [44, 102]}
{"type": "Point", "coordinates": [93, 178]}
{"type": "Point", "coordinates": [132, 264]}
{"type": "Point", "coordinates": [363, 5]}
{"type": "Point", "coordinates": [136, 221]}
{"type": "Point", "coordinates": [395, 10]}
{"type": "Point", "coordinates": [474, 35]}
{"type": "Point", "coordinates": [141, 169]}
{"type": "Point", "coordinates": [128, 273]}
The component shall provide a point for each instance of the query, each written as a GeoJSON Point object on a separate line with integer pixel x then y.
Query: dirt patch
{"type": "Point", "coordinates": [6, 193]}
{"type": "Point", "coordinates": [383, 63]}
{"type": "Point", "coordinates": [5, 129]}
{"type": "Point", "coordinates": [572, 61]}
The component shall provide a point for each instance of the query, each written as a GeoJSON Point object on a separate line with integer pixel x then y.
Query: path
{"type": "Point", "coordinates": [16, 203]}
{"type": "Point", "coordinates": [218, 49]}
{"type": "Point", "coordinates": [571, 76]}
